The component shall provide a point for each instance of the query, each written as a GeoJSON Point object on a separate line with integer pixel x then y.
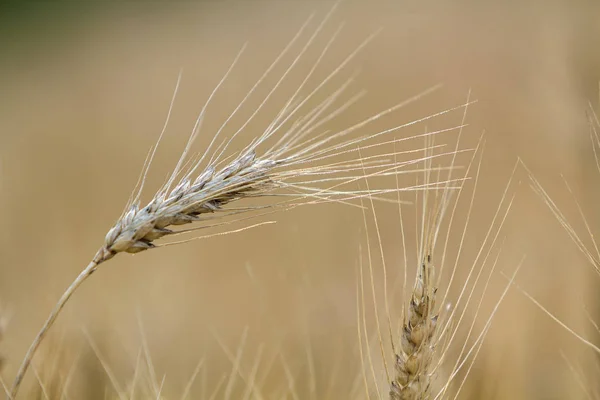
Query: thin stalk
{"type": "Point", "coordinates": [100, 257]}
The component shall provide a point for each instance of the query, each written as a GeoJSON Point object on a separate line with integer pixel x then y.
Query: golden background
{"type": "Point", "coordinates": [85, 92]}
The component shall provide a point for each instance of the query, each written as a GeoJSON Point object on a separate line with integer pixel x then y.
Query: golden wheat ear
{"type": "Point", "coordinates": [435, 346]}
{"type": "Point", "coordinates": [429, 326]}
{"type": "Point", "coordinates": [414, 354]}
{"type": "Point", "coordinates": [294, 160]}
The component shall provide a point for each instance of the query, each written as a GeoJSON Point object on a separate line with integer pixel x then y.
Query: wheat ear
{"type": "Point", "coordinates": [428, 327]}
{"type": "Point", "coordinates": [298, 169]}
{"type": "Point", "coordinates": [414, 355]}
{"type": "Point", "coordinates": [412, 380]}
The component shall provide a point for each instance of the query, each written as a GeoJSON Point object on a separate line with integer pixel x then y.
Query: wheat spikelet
{"type": "Point", "coordinates": [287, 160]}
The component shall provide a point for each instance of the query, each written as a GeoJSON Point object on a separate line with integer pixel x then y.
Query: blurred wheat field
{"type": "Point", "coordinates": [84, 94]}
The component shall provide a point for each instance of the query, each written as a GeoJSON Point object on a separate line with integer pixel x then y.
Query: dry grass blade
{"type": "Point", "coordinates": [585, 243]}
{"type": "Point", "coordinates": [3, 325]}
{"type": "Point", "coordinates": [287, 160]}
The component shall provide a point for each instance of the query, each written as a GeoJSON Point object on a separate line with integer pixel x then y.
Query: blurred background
{"type": "Point", "coordinates": [85, 91]}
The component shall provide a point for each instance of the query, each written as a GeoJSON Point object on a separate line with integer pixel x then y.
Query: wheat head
{"type": "Point", "coordinates": [412, 379]}
{"type": "Point", "coordinates": [435, 346]}
{"type": "Point", "coordinates": [290, 160]}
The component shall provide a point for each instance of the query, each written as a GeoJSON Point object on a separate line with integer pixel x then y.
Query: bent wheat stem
{"type": "Point", "coordinates": [100, 257]}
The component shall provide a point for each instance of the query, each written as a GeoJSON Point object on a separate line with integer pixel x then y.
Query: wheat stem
{"type": "Point", "coordinates": [101, 256]}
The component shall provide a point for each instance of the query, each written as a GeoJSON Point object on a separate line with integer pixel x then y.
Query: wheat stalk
{"type": "Point", "coordinates": [284, 160]}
